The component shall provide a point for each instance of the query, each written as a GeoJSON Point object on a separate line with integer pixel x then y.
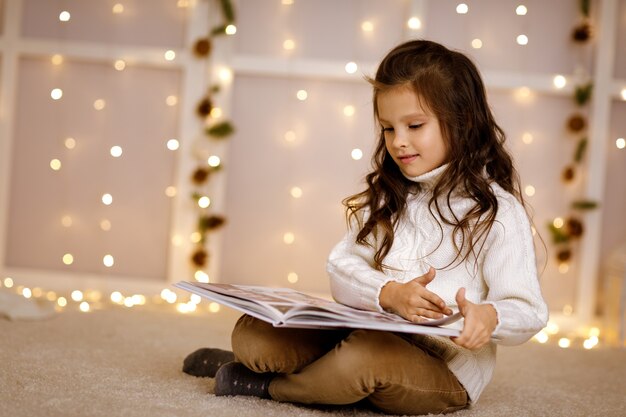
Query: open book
{"type": "Point", "coordinates": [284, 307]}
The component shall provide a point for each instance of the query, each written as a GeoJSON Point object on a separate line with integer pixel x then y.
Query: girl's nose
{"type": "Point", "coordinates": [399, 140]}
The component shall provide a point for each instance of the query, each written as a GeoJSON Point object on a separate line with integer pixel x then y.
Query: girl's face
{"type": "Point", "coordinates": [412, 134]}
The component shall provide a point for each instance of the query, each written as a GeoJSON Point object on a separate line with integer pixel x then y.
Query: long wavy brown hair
{"type": "Point", "coordinates": [450, 86]}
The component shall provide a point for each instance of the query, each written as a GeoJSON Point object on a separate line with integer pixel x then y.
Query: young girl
{"type": "Point", "coordinates": [441, 226]}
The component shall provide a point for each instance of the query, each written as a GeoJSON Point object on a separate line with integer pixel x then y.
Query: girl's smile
{"type": "Point", "coordinates": [412, 134]}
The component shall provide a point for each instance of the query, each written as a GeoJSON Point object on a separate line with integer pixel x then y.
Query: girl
{"type": "Point", "coordinates": [441, 226]}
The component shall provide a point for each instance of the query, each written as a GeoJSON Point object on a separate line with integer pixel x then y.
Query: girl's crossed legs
{"type": "Point", "coordinates": [347, 366]}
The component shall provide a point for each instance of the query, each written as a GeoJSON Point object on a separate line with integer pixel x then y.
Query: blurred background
{"type": "Point", "coordinates": [143, 142]}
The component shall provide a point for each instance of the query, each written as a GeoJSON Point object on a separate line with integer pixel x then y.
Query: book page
{"type": "Point", "coordinates": [290, 308]}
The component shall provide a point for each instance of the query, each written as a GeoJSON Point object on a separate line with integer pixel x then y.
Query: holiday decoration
{"type": "Point", "coordinates": [565, 232]}
{"type": "Point", "coordinates": [215, 130]}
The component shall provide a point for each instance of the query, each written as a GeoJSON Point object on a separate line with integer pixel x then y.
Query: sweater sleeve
{"type": "Point", "coordinates": [353, 279]}
{"type": "Point", "coordinates": [510, 273]}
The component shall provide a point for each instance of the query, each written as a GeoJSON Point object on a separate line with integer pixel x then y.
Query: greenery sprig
{"type": "Point", "coordinates": [208, 222]}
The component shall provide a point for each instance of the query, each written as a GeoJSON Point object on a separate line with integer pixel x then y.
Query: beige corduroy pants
{"type": "Point", "coordinates": [347, 366]}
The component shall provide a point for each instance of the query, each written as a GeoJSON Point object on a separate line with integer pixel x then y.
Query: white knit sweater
{"type": "Point", "coordinates": [505, 277]}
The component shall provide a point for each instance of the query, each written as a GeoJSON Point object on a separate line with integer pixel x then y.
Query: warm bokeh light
{"type": "Point", "coordinates": [289, 238]}
{"type": "Point", "coordinates": [351, 67]}
{"type": "Point", "coordinates": [522, 40]}
{"type": "Point", "coordinates": [559, 81]}
{"type": "Point", "coordinates": [169, 55]}
{"type": "Point", "coordinates": [414, 23]}
{"type": "Point", "coordinates": [477, 43]}
{"type": "Point", "coordinates": [302, 95]}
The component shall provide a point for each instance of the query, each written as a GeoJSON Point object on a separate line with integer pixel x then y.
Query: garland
{"type": "Point", "coordinates": [572, 228]}
{"type": "Point", "coordinates": [208, 222]}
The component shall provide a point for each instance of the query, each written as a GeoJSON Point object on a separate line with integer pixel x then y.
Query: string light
{"type": "Point", "coordinates": [107, 199]}
{"type": "Point", "coordinates": [414, 23]}
{"type": "Point", "coordinates": [119, 65]}
{"type": "Point", "coordinates": [173, 144]}
{"type": "Point", "coordinates": [201, 276]}
{"type": "Point", "coordinates": [462, 8]}
{"type": "Point", "coordinates": [522, 40]}
{"type": "Point", "coordinates": [56, 94]}
{"type": "Point", "coordinates": [521, 10]}
{"type": "Point", "coordinates": [302, 95]}
{"type": "Point", "coordinates": [523, 94]}
{"type": "Point", "coordinates": [558, 222]}
{"type": "Point", "coordinates": [204, 202]}
{"type": "Point", "coordinates": [55, 164]}
{"type": "Point", "coordinates": [559, 81]}
{"type": "Point", "coordinates": [296, 192]}
{"type": "Point", "coordinates": [116, 151]}
{"type": "Point", "coordinates": [118, 8]}
{"type": "Point", "coordinates": [86, 300]}
{"type": "Point", "coordinates": [65, 16]}
{"type": "Point", "coordinates": [356, 154]}
{"type": "Point", "coordinates": [66, 221]}
{"type": "Point", "coordinates": [70, 143]}
{"type": "Point", "coordinates": [529, 190]}
{"type": "Point", "coordinates": [477, 43]}
{"type": "Point", "coordinates": [171, 101]}
{"type": "Point", "coordinates": [290, 136]}
{"type": "Point", "coordinates": [225, 75]}
{"type": "Point", "coordinates": [287, 2]}
{"type": "Point", "coordinates": [105, 225]}
{"type": "Point", "coordinates": [289, 238]}
{"type": "Point", "coordinates": [527, 138]}
{"type": "Point", "coordinates": [177, 240]}
{"type": "Point", "coordinates": [351, 67]}
{"type": "Point", "coordinates": [214, 161]}
{"type": "Point", "coordinates": [216, 113]}
{"type": "Point", "coordinates": [116, 297]}
{"type": "Point", "coordinates": [564, 342]}
{"type": "Point", "coordinates": [289, 44]}
{"type": "Point", "coordinates": [169, 55]}
{"type": "Point", "coordinates": [108, 261]}
{"type": "Point", "coordinates": [170, 191]}
{"type": "Point", "coordinates": [367, 26]}
{"type": "Point", "coordinates": [68, 259]}
{"type": "Point", "coordinates": [541, 337]}
{"type": "Point", "coordinates": [349, 111]}
{"type": "Point", "coordinates": [195, 237]}
{"type": "Point", "coordinates": [99, 104]}
{"type": "Point", "coordinates": [56, 59]}
{"type": "Point", "coordinates": [620, 143]}
{"type": "Point", "coordinates": [231, 29]}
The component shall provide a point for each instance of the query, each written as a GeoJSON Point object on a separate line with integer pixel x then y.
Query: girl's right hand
{"type": "Point", "coordinates": [412, 300]}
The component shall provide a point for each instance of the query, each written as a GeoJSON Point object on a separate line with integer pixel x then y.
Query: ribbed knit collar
{"type": "Point", "coordinates": [430, 178]}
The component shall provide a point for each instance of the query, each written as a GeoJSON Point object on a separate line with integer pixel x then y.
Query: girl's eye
{"type": "Point", "coordinates": [416, 126]}
{"type": "Point", "coordinates": [387, 129]}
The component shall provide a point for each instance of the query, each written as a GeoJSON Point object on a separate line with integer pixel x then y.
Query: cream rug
{"type": "Point", "coordinates": [127, 362]}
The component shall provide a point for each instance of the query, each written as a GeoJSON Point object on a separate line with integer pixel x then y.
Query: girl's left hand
{"type": "Point", "coordinates": [480, 322]}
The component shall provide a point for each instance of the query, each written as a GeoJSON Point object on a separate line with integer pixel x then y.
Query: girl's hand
{"type": "Point", "coordinates": [480, 322]}
{"type": "Point", "coordinates": [412, 300]}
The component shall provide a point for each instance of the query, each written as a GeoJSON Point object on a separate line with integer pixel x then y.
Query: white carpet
{"type": "Point", "coordinates": [127, 362]}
